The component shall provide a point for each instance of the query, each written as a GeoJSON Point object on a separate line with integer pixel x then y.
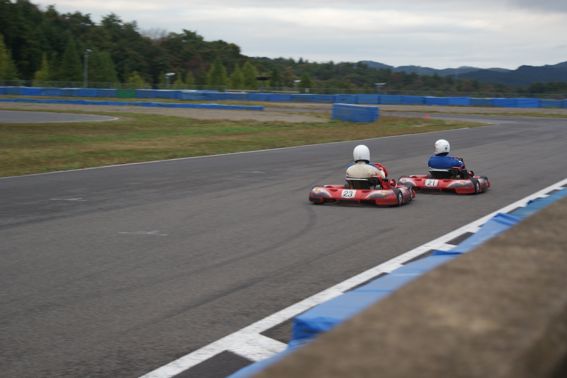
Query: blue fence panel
{"type": "Point", "coordinates": [390, 99]}
{"type": "Point", "coordinates": [527, 102]}
{"type": "Point", "coordinates": [105, 93]}
{"type": "Point", "coordinates": [2, 90]}
{"type": "Point", "coordinates": [172, 95]}
{"type": "Point", "coordinates": [258, 96]}
{"type": "Point", "coordinates": [325, 99]}
{"type": "Point", "coordinates": [346, 99]}
{"type": "Point", "coordinates": [504, 102]}
{"type": "Point", "coordinates": [443, 101]}
{"type": "Point", "coordinates": [279, 97]}
{"type": "Point", "coordinates": [145, 93]}
{"type": "Point", "coordinates": [68, 92]}
{"type": "Point", "coordinates": [232, 96]}
{"type": "Point", "coordinates": [481, 102]}
{"type": "Point", "coordinates": [30, 91]}
{"type": "Point", "coordinates": [413, 100]}
{"type": "Point", "coordinates": [51, 92]}
{"type": "Point", "coordinates": [87, 92]}
{"type": "Point", "coordinates": [564, 105]}
{"type": "Point", "coordinates": [191, 96]}
{"type": "Point", "coordinates": [12, 91]}
{"type": "Point", "coordinates": [355, 113]}
{"type": "Point", "coordinates": [550, 103]}
{"type": "Point", "coordinates": [368, 99]}
{"type": "Point", "coordinates": [459, 101]}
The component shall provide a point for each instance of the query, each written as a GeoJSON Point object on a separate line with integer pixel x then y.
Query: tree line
{"type": "Point", "coordinates": [45, 47]}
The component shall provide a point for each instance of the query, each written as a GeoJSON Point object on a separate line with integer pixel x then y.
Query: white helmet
{"type": "Point", "coordinates": [361, 152]}
{"type": "Point", "coordinates": [442, 146]}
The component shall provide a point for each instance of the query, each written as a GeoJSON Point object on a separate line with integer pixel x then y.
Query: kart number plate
{"type": "Point", "coordinates": [347, 193]}
{"type": "Point", "coordinates": [431, 183]}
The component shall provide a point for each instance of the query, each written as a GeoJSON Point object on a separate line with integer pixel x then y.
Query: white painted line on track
{"type": "Point", "coordinates": [246, 341]}
{"type": "Point", "coordinates": [227, 154]}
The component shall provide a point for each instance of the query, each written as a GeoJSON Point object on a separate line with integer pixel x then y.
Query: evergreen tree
{"type": "Point", "coordinates": [179, 82]}
{"type": "Point", "coordinates": [7, 67]}
{"type": "Point", "coordinates": [216, 76]}
{"type": "Point", "coordinates": [288, 77]}
{"type": "Point", "coordinates": [236, 78]}
{"type": "Point", "coordinates": [250, 74]}
{"type": "Point", "coordinates": [189, 79]}
{"type": "Point", "coordinates": [306, 82]}
{"type": "Point", "coordinates": [101, 68]}
{"type": "Point", "coordinates": [135, 81]}
{"type": "Point", "coordinates": [42, 76]}
{"type": "Point", "coordinates": [276, 79]}
{"type": "Point", "coordinates": [70, 69]}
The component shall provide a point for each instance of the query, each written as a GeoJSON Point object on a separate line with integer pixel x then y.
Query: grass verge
{"type": "Point", "coordinates": [35, 148]}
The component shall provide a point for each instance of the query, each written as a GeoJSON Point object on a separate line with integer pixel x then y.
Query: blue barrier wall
{"type": "Point", "coordinates": [442, 101]}
{"type": "Point", "coordinates": [481, 102]}
{"type": "Point", "coordinates": [390, 99]}
{"type": "Point", "coordinates": [459, 101]}
{"type": "Point", "coordinates": [355, 113]}
{"type": "Point", "coordinates": [367, 99]}
{"type": "Point", "coordinates": [140, 103]}
{"type": "Point", "coordinates": [412, 100]}
{"type": "Point", "coordinates": [106, 92]}
{"type": "Point", "coordinates": [31, 91]}
{"type": "Point", "coordinates": [550, 103]}
{"type": "Point", "coordinates": [346, 99]}
{"type": "Point", "coordinates": [325, 99]}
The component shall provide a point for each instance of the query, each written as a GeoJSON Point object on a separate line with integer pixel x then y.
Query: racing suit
{"type": "Point", "coordinates": [444, 162]}
{"type": "Point", "coordinates": [364, 170]}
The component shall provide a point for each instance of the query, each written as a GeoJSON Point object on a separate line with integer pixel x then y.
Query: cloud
{"type": "Point", "coordinates": [439, 33]}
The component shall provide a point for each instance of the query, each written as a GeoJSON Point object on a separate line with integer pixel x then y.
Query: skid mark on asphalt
{"type": "Point", "coordinates": [143, 233]}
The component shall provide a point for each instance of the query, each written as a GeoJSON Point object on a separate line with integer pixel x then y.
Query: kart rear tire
{"type": "Point", "coordinates": [476, 185]}
{"type": "Point", "coordinates": [400, 198]}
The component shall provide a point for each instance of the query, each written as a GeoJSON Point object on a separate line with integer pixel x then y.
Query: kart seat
{"type": "Point", "coordinates": [362, 183]}
{"type": "Point", "coordinates": [451, 173]}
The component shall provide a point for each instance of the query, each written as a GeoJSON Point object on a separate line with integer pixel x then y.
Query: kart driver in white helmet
{"type": "Point", "coordinates": [441, 159]}
{"type": "Point", "coordinates": [362, 168]}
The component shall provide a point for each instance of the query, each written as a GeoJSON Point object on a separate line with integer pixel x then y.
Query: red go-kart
{"type": "Point", "coordinates": [375, 191]}
{"type": "Point", "coordinates": [460, 181]}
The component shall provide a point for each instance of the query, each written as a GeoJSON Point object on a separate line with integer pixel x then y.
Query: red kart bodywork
{"type": "Point", "coordinates": [472, 185]}
{"type": "Point", "coordinates": [387, 193]}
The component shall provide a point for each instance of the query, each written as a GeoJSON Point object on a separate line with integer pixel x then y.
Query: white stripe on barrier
{"type": "Point", "coordinates": [245, 342]}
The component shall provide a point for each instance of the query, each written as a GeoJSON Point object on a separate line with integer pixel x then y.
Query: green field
{"type": "Point", "coordinates": [34, 148]}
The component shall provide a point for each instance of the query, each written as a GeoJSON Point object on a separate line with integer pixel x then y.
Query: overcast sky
{"type": "Point", "coordinates": [440, 34]}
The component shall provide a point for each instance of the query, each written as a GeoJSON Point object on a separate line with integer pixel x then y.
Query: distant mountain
{"type": "Point", "coordinates": [522, 76]}
{"type": "Point", "coordinates": [376, 65]}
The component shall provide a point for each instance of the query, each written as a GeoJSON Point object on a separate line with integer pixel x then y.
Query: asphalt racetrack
{"type": "Point", "coordinates": [113, 272]}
